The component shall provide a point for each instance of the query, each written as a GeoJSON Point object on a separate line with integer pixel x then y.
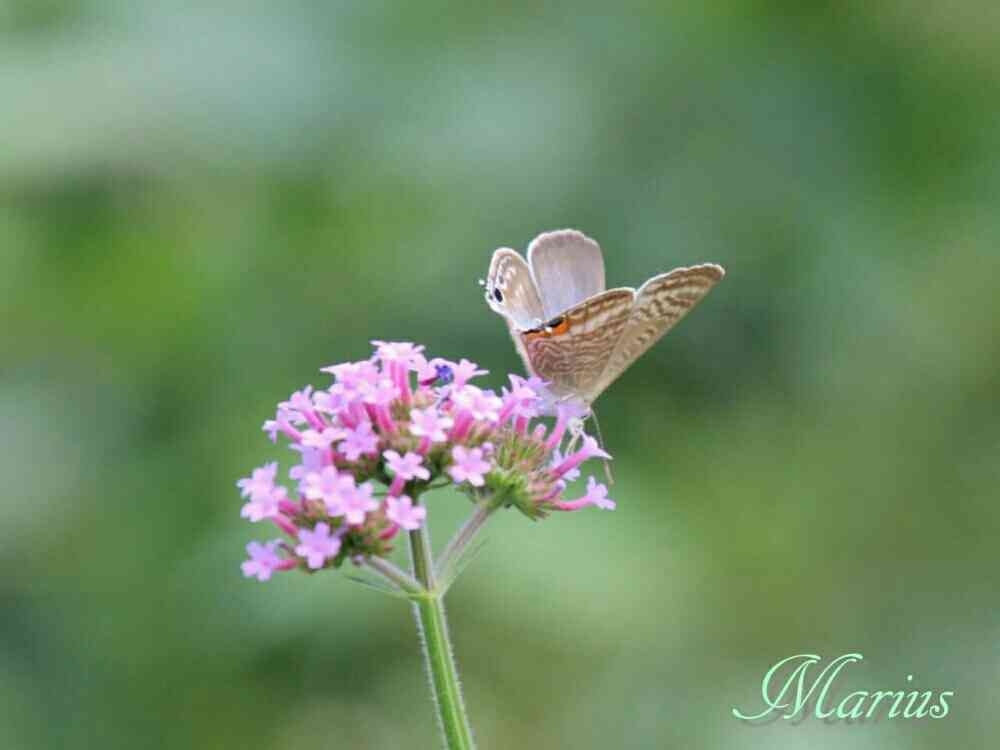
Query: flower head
{"type": "Point", "coordinates": [407, 423]}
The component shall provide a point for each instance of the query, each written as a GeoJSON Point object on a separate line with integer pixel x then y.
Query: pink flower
{"type": "Point", "coordinates": [428, 423]}
{"type": "Point", "coordinates": [404, 468]}
{"type": "Point", "coordinates": [298, 405]}
{"type": "Point", "coordinates": [331, 401]}
{"type": "Point", "coordinates": [469, 466]}
{"type": "Point", "coordinates": [380, 393]}
{"type": "Point", "coordinates": [282, 423]}
{"type": "Point", "coordinates": [482, 405]}
{"type": "Point", "coordinates": [597, 495]}
{"type": "Point", "coordinates": [264, 506]}
{"type": "Point", "coordinates": [358, 502]}
{"type": "Point", "coordinates": [317, 546]}
{"type": "Point", "coordinates": [264, 560]}
{"type": "Point", "coordinates": [408, 466]}
{"type": "Point", "coordinates": [264, 495]}
{"type": "Point", "coordinates": [402, 511]}
{"type": "Point", "coordinates": [570, 475]}
{"type": "Point", "coordinates": [260, 482]}
{"type": "Point", "coordinates": [362, 440]}
{"type": "Point", "coordinates": [428, 372]}
{"type": "Point", "coordinates": [330, 486]}
{"type": "Point", "coordinates": [351, 375]}
{"type": "Point", "coordinates": [397, 351]}
{"type": "Point", "coordinates": [271, 427]}
{"type": "Point", "coordinates": [535, 383]}
{"type": "Point", "coordinates": [465, 371]}
{"type": "Point", "coordinates": [312, 462]}
{"type": "Point", "coordinates": [521, 400]}
{"type": "Point", "coordinates": [589, 450]}
{"type": "Point", "coordinates": [324, 439]}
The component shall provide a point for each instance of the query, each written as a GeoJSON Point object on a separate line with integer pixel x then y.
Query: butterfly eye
{"type": "Point", "coordinates": [497, 295]}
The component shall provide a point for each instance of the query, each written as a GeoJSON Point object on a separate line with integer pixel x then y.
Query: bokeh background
{"type": "Point", "coordinates": [202, 204]}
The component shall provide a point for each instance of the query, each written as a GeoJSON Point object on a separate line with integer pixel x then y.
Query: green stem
{"type": "Point", "coordinates": [394, 575]}
{"type": "Point", "coordinates": [447, 565]}
{"type": "Point", "coordinates": [429, 611]}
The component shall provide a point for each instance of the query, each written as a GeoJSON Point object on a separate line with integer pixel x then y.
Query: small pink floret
{"type": "Point", "coordinates": [317, 545]}
{"type": "Point", "coordinates": [469, 466]}
{"type": "Point", "coordinates": [402, 511]}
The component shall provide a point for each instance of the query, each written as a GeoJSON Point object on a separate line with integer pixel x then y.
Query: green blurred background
{"type": "Point", "coordinates": [202, 204]}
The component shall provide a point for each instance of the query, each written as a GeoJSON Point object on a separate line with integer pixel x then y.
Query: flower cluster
{"type": "Point", "coordinates": [393, 426]}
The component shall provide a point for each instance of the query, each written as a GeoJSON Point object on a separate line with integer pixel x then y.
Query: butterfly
{"type": "Point", "coordinates": [572, 332]}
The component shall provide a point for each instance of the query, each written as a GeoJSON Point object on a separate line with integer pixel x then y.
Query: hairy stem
{"type": "Point", "coordinates": [438, 655]}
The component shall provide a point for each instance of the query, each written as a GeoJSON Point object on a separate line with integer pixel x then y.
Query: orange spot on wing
{"type": "Point", "coordinates": [560, 329]}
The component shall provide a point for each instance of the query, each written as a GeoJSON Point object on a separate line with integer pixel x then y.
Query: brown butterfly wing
{"type": "Point", "coordinates": [571, 351]}
{"type": "Point", "coordinates": [659, 305]}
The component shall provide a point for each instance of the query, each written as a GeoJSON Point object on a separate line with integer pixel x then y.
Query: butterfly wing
{"type": "Point", "coordinates": [571, 351]}
{"type": "Point", "coordinates": [659, 305]}
{"type": "Point", "coordinates": [511, 290]}
{"type": "Point", "coordinates": [567, 267]}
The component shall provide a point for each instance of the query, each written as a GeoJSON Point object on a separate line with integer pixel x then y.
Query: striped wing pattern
{"type": "Point", "coordinates": [572, 351]}
{"type": "Point", "coordinates": [659, 305]}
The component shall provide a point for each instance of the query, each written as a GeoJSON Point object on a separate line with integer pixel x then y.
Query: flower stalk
{"type": "Point", "coordinates": [369, 446]}
{"type": "Point", "coordinates": [439, 657]}
{"type": "Point", "coordinates": [447, 567]}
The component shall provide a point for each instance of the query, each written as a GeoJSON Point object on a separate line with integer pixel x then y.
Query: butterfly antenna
{"type": "Point", "coordinates": [600, 441]}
